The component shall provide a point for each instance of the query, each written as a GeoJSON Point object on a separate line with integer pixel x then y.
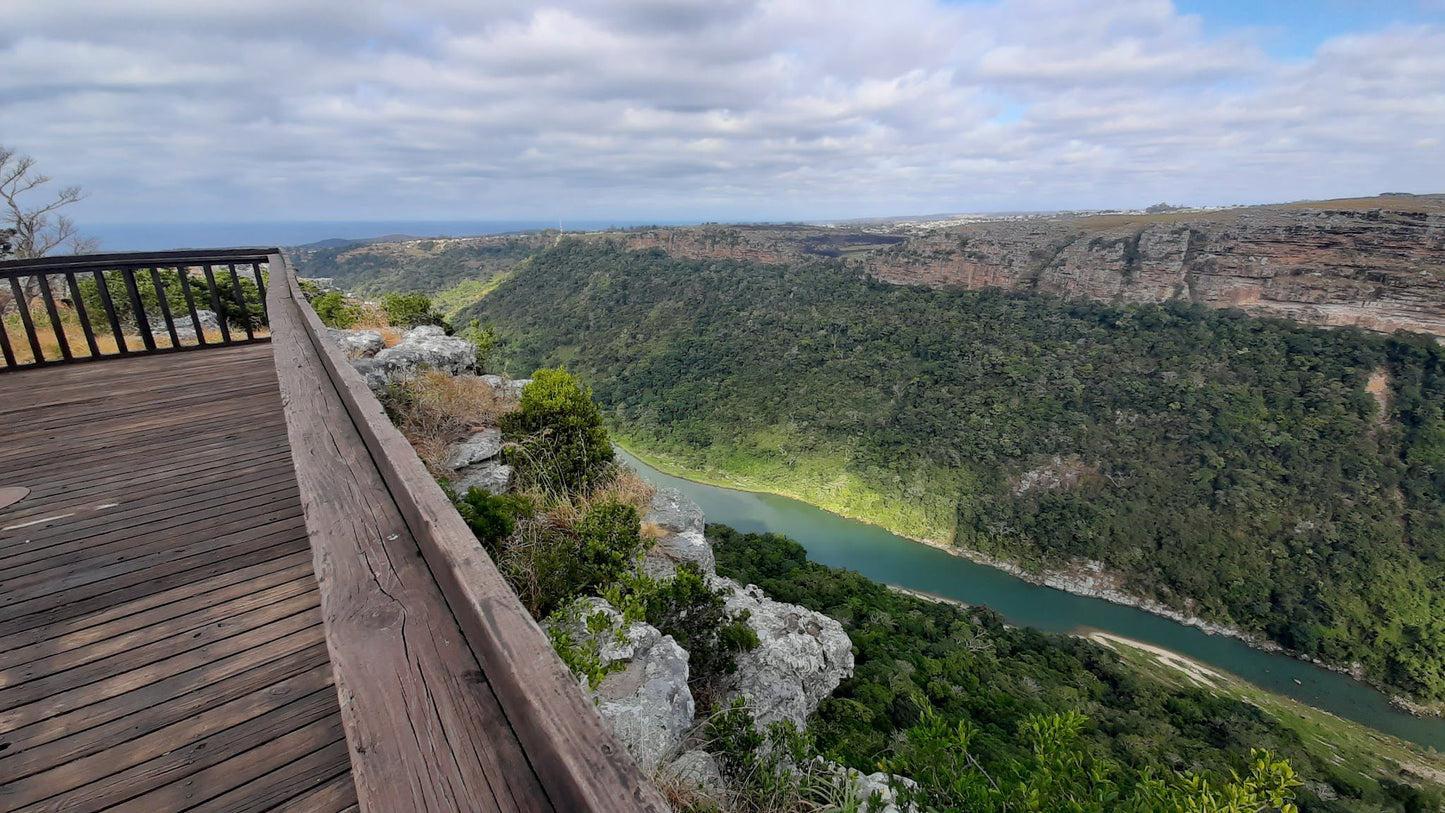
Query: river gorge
{"type": "Point", "coordinates": [895, 560]}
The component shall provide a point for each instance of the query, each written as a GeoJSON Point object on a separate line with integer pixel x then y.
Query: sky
{"type": "Point", "coordinates": [729, 110]}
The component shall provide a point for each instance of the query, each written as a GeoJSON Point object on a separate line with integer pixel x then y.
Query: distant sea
{"type": "Point", "coordinates": [165, 236]}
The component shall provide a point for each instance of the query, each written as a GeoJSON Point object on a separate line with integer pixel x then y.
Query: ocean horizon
{"type": "Point", "coordinates": [168, 236]}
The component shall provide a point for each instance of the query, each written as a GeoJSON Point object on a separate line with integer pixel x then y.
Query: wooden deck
{"type": "Point", "coordinates": [233, 585]}
{"type": "Point", "coordinates": [161, 642]}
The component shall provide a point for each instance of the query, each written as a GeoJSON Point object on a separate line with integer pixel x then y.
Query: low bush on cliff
{"type": "Point", "coordinates": [410, 310]}
{"type": "Point", "coordinates": [335, 310]}
{"type": "Point", "coordinates": [556, 441]}
{"type": "Point", "coordinates": [696, 617]}
{"type": "Point", "coordinates": [548, 562]}
{"type": "Point", "coordinates": [492, 517]}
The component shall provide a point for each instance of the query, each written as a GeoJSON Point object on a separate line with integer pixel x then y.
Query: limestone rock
{"type": "Point", "coordinates": [801, 658]}
{"type": "Point", "coordinates": [647, 703]}
{"type": "Point", "coordinates": [483, 445]}
{"type": "Point", "coordinates": [681, 522]}
{"type": "Point", "coordinates": [698, 769]}
{"type": "Point", "coordinates": [185, 328]}
{"type": "Point", "coordinates": [357, 344]}
{"type": "Point", "coordinates": [864, 786]}
{"type": "Point", "coordinates": [490, 475]}
{"type": "Point", "coordinates": [507, 388]}
{"type": "Point", "coordinates": [423, 348]}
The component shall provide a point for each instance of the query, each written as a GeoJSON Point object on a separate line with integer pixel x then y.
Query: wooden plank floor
{"type": "Point", "coordinates": [161, 642]}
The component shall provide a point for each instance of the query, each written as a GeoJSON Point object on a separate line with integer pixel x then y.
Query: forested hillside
{"type": "Point", "coordinates": [425, 266]}
{"type": "Point", "coordinates": [1285, 479]}
{"type": "Point", "coordinates": [946, 695]}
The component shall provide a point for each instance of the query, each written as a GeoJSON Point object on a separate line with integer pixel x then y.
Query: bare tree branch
{"type": "Point", "coordinates": [32, 231]}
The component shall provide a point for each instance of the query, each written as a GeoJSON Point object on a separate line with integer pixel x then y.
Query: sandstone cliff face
{"type": "Point", "coordinates": [1378, 264]}
{"type": "Point", "coordinates": [1377, 270]}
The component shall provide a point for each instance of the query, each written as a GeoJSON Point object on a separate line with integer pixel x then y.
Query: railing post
{"type": "Point", "coordinates": [50, 310]}
{"type": "Point", "coordinates": [22, 303]}
{"type": "Point", "coordinates": [81, 313]}
{"type": "Point", "coordinates": [142, 323]}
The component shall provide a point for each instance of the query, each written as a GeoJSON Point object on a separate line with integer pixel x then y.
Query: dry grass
{"type": "Point", "coordinates": [624, 486]}
{"type": "Point", "coordinates": [682, 795]}
{"type": "Point", "coordinates": [435, 409]}
{"type": "Point", "coordinates": [372, 317]}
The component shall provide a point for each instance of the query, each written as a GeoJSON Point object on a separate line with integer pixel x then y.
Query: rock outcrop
{"type": "Point", "coordinates": [647, 702]}
{"type": "Point", "coordinates": [475, 462]}
{"type": "Point", "coordinates": [871, 788]}
{"type": "Point", "coordinates": [801, 655]}
{"type": "Point", "coordinates": [483, 445]}
{"type": "Point", "coordinates": [357, 344]}
{"type": "Point", "coordinates": [423, 348]}
{"type": "Point", "coordinates": [801, 658]}
{"type": "Point", "coordinates": [507, 388]}
{"type": "Point", "coordinates": [679, 523]}
{"type": "Point", "coordinates": [698, 769]}
{"type": "Point", "coordinates": [185, 327]}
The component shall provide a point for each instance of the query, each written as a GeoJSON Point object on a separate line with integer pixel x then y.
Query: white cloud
{"type": "Point", "coordinates": [273, 109]}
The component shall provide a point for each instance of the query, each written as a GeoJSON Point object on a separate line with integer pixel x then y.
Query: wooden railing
{"type": "Point", "coordinates": [361, 504]}
{"type": "Point", "coordinates": [89, 307]}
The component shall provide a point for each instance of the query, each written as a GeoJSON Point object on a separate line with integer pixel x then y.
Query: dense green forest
{"type": "Point", "coordinates": [425, 266]}
{"type": "Point", "coordinates": [948, 695]}
{"type": "Point", "coordinates": [1231, 467]}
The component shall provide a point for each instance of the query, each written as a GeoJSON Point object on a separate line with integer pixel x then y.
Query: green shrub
{"type": "Point", "coordinates": [557, 439]}
{"type": "Point", "coordinates": [484, 339]}
{"type": "Point", "coordinates": [610, 534]}
{"type": "Point", "coordinates": [696, 617]}
{"type": "Point", "coordinates": [767, 769]}
{"type": "Point", "coordinates": [492, 517]}
{"type": "Point", "coordinates": [549, 563]}
{"type": "Point", "coordinates": [583, 658]}
{"type": "Point", "coordinates": [335, 310]}
{"type": "Point", "coordinates": [236, 316]}
{"type": "Point", "coordinates": [410, 310]}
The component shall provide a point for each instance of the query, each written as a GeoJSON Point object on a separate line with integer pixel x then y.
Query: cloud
{"type": "Point", "coordinates": [747, 109]}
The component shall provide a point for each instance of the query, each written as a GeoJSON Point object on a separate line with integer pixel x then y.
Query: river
{"type": "Point", "coordinates": [896, 560]}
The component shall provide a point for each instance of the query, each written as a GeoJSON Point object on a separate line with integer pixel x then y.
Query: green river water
{"type": "Point", "coordinates": [892, 559]}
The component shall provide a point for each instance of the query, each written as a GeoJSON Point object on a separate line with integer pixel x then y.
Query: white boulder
{"type": "Point", "coordinates": [647, 702]}
{"type": "Point", "coordinates": [357, 344]}
{"type": "Point", "coordinates": [801, 657]}
{"type": "Point", "coordinates": [698, 769]}
{"type": "Point", "coordinates": [423, 348]}
{"type": "Point", "coordinates": [507, 388]}
{"type": "Point", "coordinates": [866, 788]}
{"type": "Point", "coordinates": [490, 475]}
{"type": "Point", "coordinates": [680, 522]}
{"type": "Point", "coordinates": [484, 444]}
{"type": "Point", "coordinates": [185, 328]}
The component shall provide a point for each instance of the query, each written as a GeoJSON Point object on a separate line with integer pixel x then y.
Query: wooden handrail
{"type": "Point", "coordinates": [118, 287]}
{"type": "Point", "coordinates": [161, 258]}
{"type": "Point", "coordinates": [580, 764]}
